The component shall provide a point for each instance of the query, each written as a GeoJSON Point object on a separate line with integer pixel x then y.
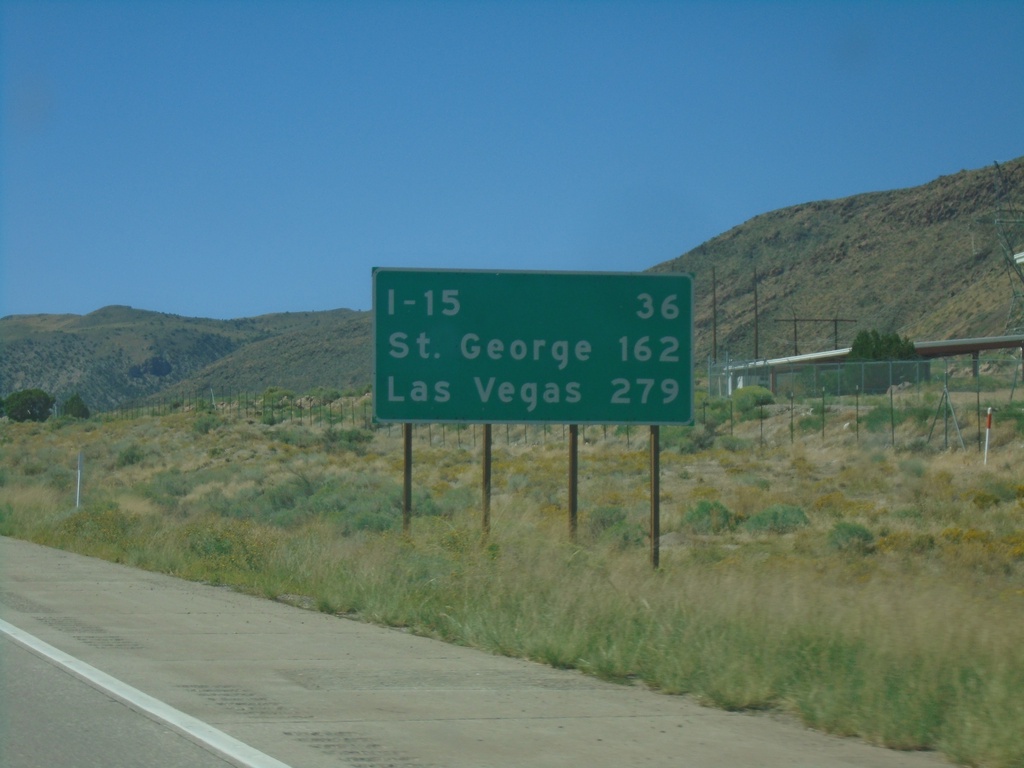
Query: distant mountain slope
{"type": "Point", "coordinates": [118, 353]}
{"type": "Point", "coordinates": [924, 262]}
{"type": "Point", "coordinates": [332, 349]}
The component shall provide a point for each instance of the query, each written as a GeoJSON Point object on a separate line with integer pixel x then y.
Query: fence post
{"type": "Point", "coordinates": [892, 417]}
{"type": "Point", "coordinates": [791, 415]}
{"type": "Point", "coordinates": [823, 414]}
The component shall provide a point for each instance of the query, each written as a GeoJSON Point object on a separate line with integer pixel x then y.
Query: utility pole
{"type": "Point", "coordinates": [757, 352]}
{"type": "Point", "coordinates": [714, 315]}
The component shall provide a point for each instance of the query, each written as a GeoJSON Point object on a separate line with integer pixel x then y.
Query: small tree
{"type": "Point", "coordinates": [29, 405]}
{"type": "Point", "coordinates": [872, 345]}
{"type": "Point", "coordinates": [76, 407]}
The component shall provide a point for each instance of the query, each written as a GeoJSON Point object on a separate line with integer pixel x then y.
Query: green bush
{"type": "Point", "coordinates": [325, 394]}
{"type": "Point", "coordinates": [168, 487]}
{"type": "Point", "coordinates": [29, 405]}
{"type": "Point", "coordinates": [850, 537]}
{"type": "Point", "coordinates": [688, 439]}
{"type": "Point", "coordinates": [205, 422]}
{"type": "Point", "coordinates": [299, 436]}
{"type": "Point", "coordinates": [129, 455]}
{"type": "Point", "coordinates": [611, 524]}
{"type": "Point", "coordinates": [711, 517]}
{"type": "Point", "coordinates": [335, 440]}
{"type": "Point", "coordinates": [747, 399]}
{"type": "Point", "coordinates": [239, 545]}
{"type": "Point", "coordinates": [75, 407]}
{"type": "Point", "coordinates": [734, 444]}
{"type": "Point", "coordinates": [872, 345]}
{"type": "Point", "coordinates": [603, 518]}
{"type": "Point", "coordinates": [778, 518]}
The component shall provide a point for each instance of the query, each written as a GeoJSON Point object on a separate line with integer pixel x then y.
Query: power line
{"type": "Point", "coordinates": [834, 320]}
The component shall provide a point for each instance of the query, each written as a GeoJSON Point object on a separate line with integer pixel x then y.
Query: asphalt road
{"type": "Point", "coordinates": [311, 690]}
{"type": "Point", "coordinates": [50, 718]}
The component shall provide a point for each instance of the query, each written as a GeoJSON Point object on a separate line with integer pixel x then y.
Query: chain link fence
{"type": "Point", "coordinates": [839, 379]}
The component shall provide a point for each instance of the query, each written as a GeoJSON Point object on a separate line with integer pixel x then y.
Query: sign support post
{"type": "Point", "coordinates": [486, 488]}
{"type": "Point", "coordinates": [574, 473]}
{"type": "Point", "coordinates": [655, 495]}
{"type": "Point", "coordinates": [407, 478]}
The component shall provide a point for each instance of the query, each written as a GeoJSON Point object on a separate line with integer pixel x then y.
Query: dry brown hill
{"type": "Point", "coordinates": [924, 262]}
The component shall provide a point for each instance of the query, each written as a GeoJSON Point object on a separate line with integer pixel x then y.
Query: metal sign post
{"type": "Point", "coordinates": [655, 449]}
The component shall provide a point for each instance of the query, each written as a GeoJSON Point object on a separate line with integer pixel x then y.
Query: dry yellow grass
{"type": "Point", "coordinates": [910, 637]}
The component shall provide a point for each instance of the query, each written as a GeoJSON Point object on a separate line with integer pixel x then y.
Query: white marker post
{"type": "Point", "coordinates": [78, 489]}
{"type": "Point", "coordinates": [988, 431]}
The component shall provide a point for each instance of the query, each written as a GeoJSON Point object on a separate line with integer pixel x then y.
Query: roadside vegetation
{"type": "Point", "coordinates": [871, 591]}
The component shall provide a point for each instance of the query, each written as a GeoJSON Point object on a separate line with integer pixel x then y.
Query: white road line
{"type": "Point", "coordinates": [218, 742]}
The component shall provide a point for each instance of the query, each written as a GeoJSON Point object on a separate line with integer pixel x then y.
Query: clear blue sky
{"type": "Point", "coordinates": [228, 159]}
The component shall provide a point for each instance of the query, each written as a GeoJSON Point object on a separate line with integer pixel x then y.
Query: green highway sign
{"type": "Point", "coordinates": [543, 347]}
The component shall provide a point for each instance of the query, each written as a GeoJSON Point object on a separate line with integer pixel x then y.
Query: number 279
{"type": "Point", "coordinates": [624, 392]}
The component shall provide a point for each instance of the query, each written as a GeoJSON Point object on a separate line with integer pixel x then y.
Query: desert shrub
{"type": "Point", "coordinates": [956, 535]}
{"type": "Point", "coordinates": [850, 537]}
{"type": "Point", "coordinates": [334, 440]}
{"type": "Point", "coordinates": [325, 394]}
{"type": "Point", "coordinates": [60, 478]}
{"type": "Point", "coordinates": [278, 394]}
{"type": "Point", "coordinates": [603, 518]}
{"type": "Point", "coordinates": [1011, 415]}
{"type": "Point", "coordinates": [808, 424]}
{"type": "Point", "coordinates": [836, 504]}
{"type": "Point", "coordinates": [746, 399]}
{"type": "Point", "coordinates": [983, 499]}
{"type": "Point", "coordinates": [99, 522]}
{"type": "Point", "coordinates": [457, 499]}
{"type": "Point", "coordinates": [914, 467]}
{"type": "Point", "coordinates": [710, 517]}
{"type": "Point", "coordinates": [778, 518]}
{"type": "Point", "coordinates": [168, 487]}
{"type": "Point", "coordinates": [129, 455]}
{"type": "Point", "coordinates": [205, 422]}
{"type": "Point", "coordinates": [1002, 489]}
{"type": "Point", "coordinates": [351, 502]}
{"type": "Point", "coordinates": [300, 437]}
{"type": "Point", "coordinates": [905, 541]}
{"type": "Point", "coordinates": [688, 439]}
{"type": "Point", "coordinates": [612, 524]}
{"type": "Point", "coordinates": [224, 544]}
{"type": "Point", "coordinates": [733, 444]}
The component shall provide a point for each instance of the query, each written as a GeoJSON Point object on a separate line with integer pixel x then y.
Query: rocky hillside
{"type": "Point", "coordinates": [925, 262]}
{"type": "Point", "coordinates": [120, 354]}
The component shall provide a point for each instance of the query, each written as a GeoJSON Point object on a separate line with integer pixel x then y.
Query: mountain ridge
{"type": "Point", "coordinates": [925, 262]}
